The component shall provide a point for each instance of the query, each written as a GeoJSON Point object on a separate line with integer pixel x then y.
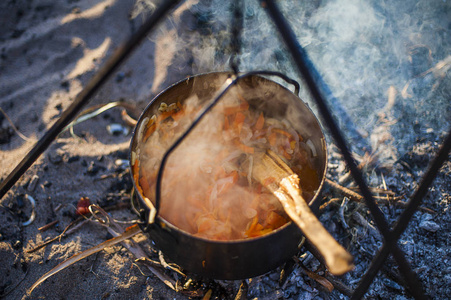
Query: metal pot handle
{"type": "Point", "coordinates": [232, 80]}
{"type": "Point", "coordinates": [278, 74]}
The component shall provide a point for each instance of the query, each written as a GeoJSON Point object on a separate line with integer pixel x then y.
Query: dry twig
{"type": "Point", "coordinates": [73, 259]}
{"type": "Point", "coordinates": [127, 119]}
{"type": "Point", "coordinates": [359, 198]}
{"type": "Point", "coordinates": [14, 127]}
{"type": "Point", "coordinates": [329, 202]}
{"type": "Point", "coordinates": [48, 226]}
{"type": "Point", "coordinates": [318, 278]}
{"type": "Point", "coordinates": [339, 285]}
{"type": "Point", "coordinates": [365, 161]}
{"type": "Point", "coordinates": [65, 233]}
{"type": "Point", "coordinates": [242, 292]}
{"type": "Point", "coordinates": [94, 111]}
{"type": "Point", "coordinates": [135, 249]}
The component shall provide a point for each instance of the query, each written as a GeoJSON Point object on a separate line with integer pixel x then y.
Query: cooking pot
{"type": "Point", "coordinates": [235, 259]}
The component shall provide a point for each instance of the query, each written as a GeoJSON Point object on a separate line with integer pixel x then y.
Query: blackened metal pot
{"type": "Point", "coordinates": [237, 259]}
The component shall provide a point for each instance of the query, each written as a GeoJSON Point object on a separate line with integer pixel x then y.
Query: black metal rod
{"type": "Point", "coordinates": [317, 87]}
{"type": "Point", "coordinates": [405, 217]}
{"type": "Point", "coordinates": [221, 92]}
{"type": "Point", "coordinates": [237, 27]}
{"type": "Point", "coordinates": [84, 96]}
{"type": "Point", "coordinates": [313, 80]}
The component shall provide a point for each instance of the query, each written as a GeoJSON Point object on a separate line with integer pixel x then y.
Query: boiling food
{"type": "Point", "coordinates": [207, 186]}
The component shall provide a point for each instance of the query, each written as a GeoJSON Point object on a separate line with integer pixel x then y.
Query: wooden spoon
{"type": "Point", "coordinates": [273, 173]}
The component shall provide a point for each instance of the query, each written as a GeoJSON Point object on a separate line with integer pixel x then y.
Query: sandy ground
{"type": "Point", "coordinates": [48, 51]}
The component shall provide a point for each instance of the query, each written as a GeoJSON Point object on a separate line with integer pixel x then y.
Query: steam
{"type": "Point", "coordinates": [199, 192]}
{"type": "Point", "coordinates": [361, 48]}
{"type": "Point", "coordinates": [365, 49]}
{"type": "Point", "coordinates": [208, 187]}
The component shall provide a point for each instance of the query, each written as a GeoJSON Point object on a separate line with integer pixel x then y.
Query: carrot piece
{"type": "Point", "coordinates": [275, 220]}
{"type": "Point", "coordinates": [164, 115]}
{"type": "Point", "coordinates": [226, 123]}
{"type": "Point", "coordinates": [239, 121]}
{"type": "Point", "coordinates": [243, 147]}
{"type": "Point", "coordinates": [231, 110]}
{"type": "Point", "coordinates": [235, 175]}
{"type": "Point", "coordinates": [283, 132]}
{"type": "Point", "coordinates": [140, 190]}
{"type": "Point", "coordinates": [254, 223]}
{"type": "Point", "coordinates": [246, 149]}
{"type": "Point", "coordinates": [242, 100]}
{"type": "Point", "coordinates": [239, 118]}
{"type": "Point", "coordinates": [252, 226]}
{"type": "Point", "coordinates": [244, 105]}
{"type": "Point", "coordinates": [300, 137]}
{"type": "Point", "coordinates": [149, 131]}
{"type": "Point", "coordinates": [258, 230]}
{"type": "Point", "coordinates": [255, 231]}
{"type": "Point", "coordinates": [178, 115]}
{"type": "Point", "coordinates": [260, 122]}
{"type": "Point", "coordinates": [272, 138]}
{"type": "Point", "coordinates": [135, 168]}
{"type": "Point", "coordinates": [144, 184]}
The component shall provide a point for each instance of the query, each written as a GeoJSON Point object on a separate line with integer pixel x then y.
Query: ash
{"type": "Point", "coordinates": [425, 242]}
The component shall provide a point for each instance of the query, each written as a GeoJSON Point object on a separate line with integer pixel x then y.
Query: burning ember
{"type": "Point", "coordinates": [208, 188]}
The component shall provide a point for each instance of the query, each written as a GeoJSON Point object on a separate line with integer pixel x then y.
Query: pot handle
{"type": "Point", "coordinates": [278, 74]}
{"type": "Point", "coordinates": [232, 80]}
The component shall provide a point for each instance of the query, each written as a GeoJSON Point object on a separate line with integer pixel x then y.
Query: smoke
{"type": "Point", "coordinates": [363, 49]}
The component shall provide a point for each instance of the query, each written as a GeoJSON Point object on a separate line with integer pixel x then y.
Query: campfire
{"type": "Point", "coordinates": [228, 165]}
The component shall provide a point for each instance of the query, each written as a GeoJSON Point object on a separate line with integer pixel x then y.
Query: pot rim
{"type": "Point", "coordinates": [160, 221]}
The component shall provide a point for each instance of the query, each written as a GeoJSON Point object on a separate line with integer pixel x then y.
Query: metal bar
{"type": "Point", "coordinates": [405, 217]}
{"type": "Point", "coordinates": [231, 81]}
{"type": "Point", "coordinates": [84, 96]}
{"type": "Point", "coordinates": [316, 87]}
{"type": "Point", "coordinates": [237, 27]}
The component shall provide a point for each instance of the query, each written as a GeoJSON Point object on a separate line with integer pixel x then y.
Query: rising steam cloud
{"type": "Point", "coordinates": [363, 49]}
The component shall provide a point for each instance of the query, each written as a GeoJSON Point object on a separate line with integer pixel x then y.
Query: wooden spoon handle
{"type": "Point", "coordinates": [285, 186]}
{"type": "Point", "coordinates": [337, 259]}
